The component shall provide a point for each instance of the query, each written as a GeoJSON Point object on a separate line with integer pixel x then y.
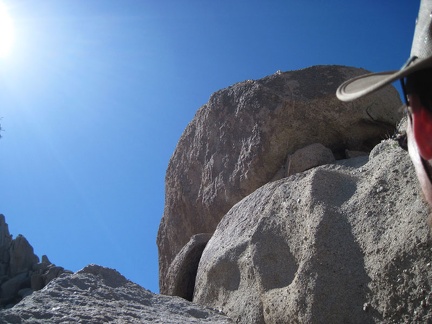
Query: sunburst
{"type": "Point", "coordinates": [7, 34]}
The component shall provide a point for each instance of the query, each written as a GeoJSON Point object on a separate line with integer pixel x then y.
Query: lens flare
{"type": "Point", "coordinates": [7, 33]}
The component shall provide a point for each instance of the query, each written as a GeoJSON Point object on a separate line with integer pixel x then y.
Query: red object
{"type": "Point", "coordinates": [422, 127]}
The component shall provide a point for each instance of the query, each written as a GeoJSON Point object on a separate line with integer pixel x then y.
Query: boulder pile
{"type": "Point", "coordinates": [21, 273]}
{"type": "Point", "coordinates": [94, 294]}
{"type": "Point", "coordinates": [244, 137]}
{"type": "Point", "coordinates": [346, 242]}
{"type": "Point", "coordinates": [304, 207]}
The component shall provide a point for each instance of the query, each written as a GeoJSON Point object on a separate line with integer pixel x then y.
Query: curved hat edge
{"type": "Point", "coordinates": [344, 95]}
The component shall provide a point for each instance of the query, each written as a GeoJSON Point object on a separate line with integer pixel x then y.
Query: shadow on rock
{"type": "Point", "coordinates": [341, 287]}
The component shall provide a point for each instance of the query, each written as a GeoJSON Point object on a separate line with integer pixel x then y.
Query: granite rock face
{"type": "Point", "coordinates": [100, 295]}
{"type": "Point", "coordinates": [341, 243]}
{"type": "Point", "coordinates": [21, 273]}
{"type": "Point", "coordinates": [241, 139]}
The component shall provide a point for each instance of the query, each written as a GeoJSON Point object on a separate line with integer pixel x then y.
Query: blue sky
{"type": "Point", "coordinates": [95, 95]}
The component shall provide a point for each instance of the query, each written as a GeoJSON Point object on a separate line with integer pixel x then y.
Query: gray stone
{"type": "Point", "coordinates": [43, 266]}
{"type": "Point", "coordinates": [242, 137]}
{"type": "Point", "coordinates": [25, 292]}
{"type": "Point", "coordinates": [22, 257]}
{"type": "Point", "coordinates": [52, 272]}
{"type": "Point", "coordinates": [319, 245]}
{"type": "Point", "coordinates": [40, 267]}
{"type": "Point", "coordinates": [353, 154]}
{"type": "Point", "coordinates": [9, 289]}
{"type": "Point", "coordinates": [308, 157]}
{"type": "Point", "coordinates": [20, 268]}
{"type": "Point", "coordinates": [37, 281]}
{"type": "Point", "coordinates": [183, 270]}
{"type": "Point", "coordinates": [45, 259]}
{"type": "Point", "coordinates": [100, 295]}
{"type": "Point", "coordinates": [5, 241]}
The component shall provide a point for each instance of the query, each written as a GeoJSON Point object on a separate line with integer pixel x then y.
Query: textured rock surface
{"type": "Point", "coordinates": [101, 295]}
{"type": "Point", "coordinates": [182, 272]}
{"type": "Point", "coordinates": [21, 256]}
{"type": "Point", "coordinates": [242, 137]}
{"type": "Point", "coordinates": [20, 270]}
{"type": "Point", "coordinates": [341, 243]}
{"type": "Point", "coordinates": [308, 157]}
{"type": "Point", "coordinates": [5, 242]}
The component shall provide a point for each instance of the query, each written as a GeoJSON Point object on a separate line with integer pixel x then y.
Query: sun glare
{"type": "Point", "coordinates": [6, 32]}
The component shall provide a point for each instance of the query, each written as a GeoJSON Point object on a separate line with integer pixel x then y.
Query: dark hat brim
{"type": "Point", "coordinates": [365, 84]}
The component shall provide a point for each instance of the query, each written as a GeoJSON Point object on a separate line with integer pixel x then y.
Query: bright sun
{"type": "Point", "coordinates": [6, 32]}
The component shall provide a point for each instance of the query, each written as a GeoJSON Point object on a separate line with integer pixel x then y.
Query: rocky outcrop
{"type": "Point", "coordinates": [21, 256]}
{"type": "Point", "coordinates": [5, 243]}
{"type": "Point", "coordinates": [100, 295]}
{"type": "Point", "coordinates": [41, 292]}
{"type": "Point", "coordinates": [242, 138]}
{"type": "Point", "coordinates": [21, 273]}
{"type": "Point", "coordinates": [342, 243]}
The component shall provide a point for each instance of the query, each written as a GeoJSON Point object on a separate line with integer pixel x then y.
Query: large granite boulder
{"type": "Point", "coordinates": [100, 295]}
{"type": "Point", "coordinates": [342, 243]}
{"type": "Point", "coordinates": [241, 139]}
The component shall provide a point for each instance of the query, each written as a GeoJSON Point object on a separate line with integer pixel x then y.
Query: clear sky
{"type": "Point", "coordinates": [94, 95]}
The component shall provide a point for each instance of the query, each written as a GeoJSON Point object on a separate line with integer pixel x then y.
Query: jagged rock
{"type": "Point", "coordinates": [241, 138]}
{"type": "Point", "coordinates": [44, 272]}
{"type": "Point", "coordinates": [45, 259]}
{"type": "Point", "coordinates": [341, 243]}
{"type": "Point", "coordinates": [101, 295]}
{"type": "Point", "coordinates": [182, 272]}
{"type": "Point", "coordinates": [308, 157]}
{"type": "Point", "coordinates": [52, 272]}
{"type": "Point", "coordinates": [5, 242]}
{"type": "Point", "coordinates": [21, 256]}
{"type": "Point", "coordinates": [20, 270]}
